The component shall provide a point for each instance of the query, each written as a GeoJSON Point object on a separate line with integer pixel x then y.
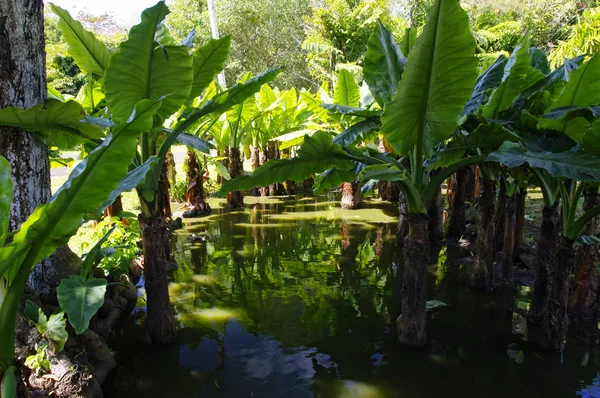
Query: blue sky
{"type": "Point", "coordinates": [125, 11]}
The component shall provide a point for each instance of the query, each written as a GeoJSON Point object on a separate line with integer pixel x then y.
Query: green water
{"type": "Point", "coordinates": [299, 299]}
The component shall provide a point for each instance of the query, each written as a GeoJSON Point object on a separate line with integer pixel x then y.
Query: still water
{"type": "Point", "coordinates": [297, 298]}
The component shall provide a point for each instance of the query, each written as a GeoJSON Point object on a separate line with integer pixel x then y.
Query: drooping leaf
{"type": "Point", "coordinates": [195, 142]}
{"type": "Point", "coordinates": [317, 154]}
{"type": "Point", "coordinates": [518, 76]}
{"type": "Point", "coordinates": [6, 198]}
{"type": "Point", "coordinates": [209, 61]}
{"type": "Point", "coordinates": [89, 53]}
{"type": "Point", "coordinates": [350, 111]}
{"type": "Point", "coordinates": [583, 86]}
{"type": "Point", "coordinates": [491, 78]}
{"type": "Point", "coordinates": [383, 172]}
{"type": "Point", "coordinates": [142, 70]}
{"type": "Point", "coordinates": [81, 299]}
{"type": "Point", "coordinates": [332, 178]}
{"type": "Point", "coordinates": [57, 330]}
{"type": "Point", "coordinates": [90, 182]}
{"type": "Point", "coordinates": [346, 91]}
{"type": "Point", "coordinates": [488, 137]}
{"type": "Point", "coordinates": [294, 138]}
{"type": "Point", "coordinates": [383, 64]}
{"type": "Point", "coordinates": [539, 60]}
{"type": "Point", "coordinates": [357, 132]}
{"type": "Point", "coordinates": [64, 120]}
{"type": "Point", "coordinates": [222, 170]}
{"type": "Point", "coordinates": [438, 80]}
{"type": "Point", "coordinates": [575, 165]}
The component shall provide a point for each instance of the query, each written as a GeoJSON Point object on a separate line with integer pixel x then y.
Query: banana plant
{"type": "Point", "coordinates": [437, 81]}
{"type": "Point", "coordinates": [52, 224]}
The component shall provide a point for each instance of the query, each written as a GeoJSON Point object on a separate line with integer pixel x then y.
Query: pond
{"type": "Point", "coordinates": [297, 298]}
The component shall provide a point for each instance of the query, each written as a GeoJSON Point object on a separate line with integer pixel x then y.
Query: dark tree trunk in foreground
{"type": "Point", "coordinates": [160, 321]}
{"type": "Point", "coordinates": [584, 298]}
{"type": "Point", "coordinates": [556, 321]}
{"type": "Point", "coordinates": [411, 324]}
{"type": "Point", "coordinates": [235, 199]}
{"type": "Point", "coordinates": [435, 212]}
{"type": "Point", "coordinates": [508, 250]}
{"type": "Point", "coordinates": [546, 251]}
{"type": "Point", "coordinates": [255, 160]}
{"type": "Point", "coordinates": [499, 218]}
{"type": "Point", "coordinates": [351, 198]}
{"type": "Point", "coordinates": [483, 276]}
{"type": "Point", "coordinates": [461, 188]}
{"type": "Point", "coordinates": [162, 193]}
{"type": "Point", "coordinates": [402, 220]}
{"type": "Point", "coordinates": [194, 196]}
{"type": "Point", "coordinates": [521, 198]}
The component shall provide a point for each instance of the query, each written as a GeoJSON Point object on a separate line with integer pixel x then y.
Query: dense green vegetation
{"type": "Point", "coordinates": [437, 104]}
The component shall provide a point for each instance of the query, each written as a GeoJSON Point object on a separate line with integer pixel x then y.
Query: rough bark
{"type": "Point", "coordinates": [273, 153]}
{"type": "Point", "coordinates": [402, 219]}
{"type": "Point", "coordinates": [483, 276]}
{"type": "Point", "coordinates": [499, 218]}
{"type": "Point", "coordinates": [162, 193]}
{"type": "Point", "coordinates": [115, 208]}
{"type": "Point", "coordinates": [520, 220]}
{"type": "Point", "coordinates": [435, 212]}
{"type": "Point", "coordinates": [508, 249]}
{"type": "Point", "coordinates": [235, 199]}
{"type": "Point", "coordinates": [171, 168]}
{"type": "Point", "coordinates": [412, 322]}
{"type": "Point", "coordinates": [264, 191]}
{"type": "Point", "coordinates": [194, 197]}
{"type": "Point", "coordinates": [584, 297]}
{"type": "Point", "coordinates": [462, 188]}
{"type": "Point", "coordinates": [546, 251]}
{"type": "Point", "coordinates": [160, 320]}
{"type": "Point", "coordinates": [351, 197]}
{"type": "Point", "coordinates": [555, 321]}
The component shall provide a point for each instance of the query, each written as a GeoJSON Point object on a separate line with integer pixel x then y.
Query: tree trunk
{"type": "Point", "coordinates": [194, 196]}
{"type": "Point", "coordinates": [255, 160]}
{"type": "Point", "coordinates": [351, 198]}
{"type": "Point", "coordinates": [160, 321]}
{"type": "Point", "coordinates": [435, 213]}
{"type": "Point", "coordinates": [273, 153]}
{"type": "Point", "coordinates": [584, 300]}
{"type": "Point", "coordinates": [235, 199]}
{"type": "Point", "coordinates": [402, 220]}
{"type": "Point", "coordinates": [162, 193]}
{"type": "Point", "coordinates": [263, 157]}
{"type": "Point", "coordinates": [555, 321]}
{"type": "Point", "coordinates": [520, 220]}
{"type": "Point", "coordinates": [461, 189]}
{"type": "Point", "coordinates": [171, 168]}
{"type": "Point", "coordinates": [483, 276]}
{"type": "Point", "coordinates": [411, 324]}
{"type": "Point", "coordinates": [307, 185]}
{"type": "Point", "coordinates": [508, 250]}
{"type": "Point", "coordinates": [499, 218]}
{"type": "Point", "coordinates": [114, 209]}
{"type": "Point", "coordinates": [546, 250]}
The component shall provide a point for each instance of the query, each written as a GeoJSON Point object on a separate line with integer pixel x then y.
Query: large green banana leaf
{"type": "Point", "coordinates": [88, 186]}
{"type": "Point", "coordinates": [208, 61]}
{"type": "Point", "coordinates": [491, 78]}
{"type": "Point", "coordinates": [346, 91]}
{"type": "Point", "coordinates": [383, 65]}
{"type": "Point", "coordinates": [518, 76]}
{"type": "Point", "coordinates": [408, 41]}
{"type": "Point", "coordinates": [144, 70]}
{"type": "Point", "coordinates": [89, 53]}
{"type": "Point", "coordinates": [6, 198]}
{"type": "Point", "coordinates": [591, 139]}
{"type": "Point", "coordinates": [53, 119]}
{"type": "Point", "coordinates": [317, 154]}
{"type": "Point", "coordinates": [357, 132]}
{"type": "Point", "coordinates": [583, 86]}
{"type": "Point", "coordinates": [575, 165]}
{"type": "Point", "coordinates": [438, 80]}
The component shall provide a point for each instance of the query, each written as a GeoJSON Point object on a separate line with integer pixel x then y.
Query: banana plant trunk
{"type": "Point", "coordinates": [483, 276]}
{"type": "Point", "coordinates": [115, 208]}
{"type": "Point", "coordinates": [463, 184]}
{"type": "Point", "coordinates": [195, 192]}
{"type": "Point", "coordinates": [255, 160]}
{"type": "Point", "coordinates": [556, 321]}
{"type": "Point", "coordinates": [508, 249]}
{"type": "Point", "coordinates": [411, 324]}
{"type": "Point", "coordinates": [584, 298]}
{"type": "Point", "coordinates": [263, 158]}
{"type": "Point", "coordinates": [171, 168]}
{"type": "Point", "coordinates": [235, 199]}
{"type": "Point", "coordinates": [499, 218]}
{"type": "Point", "coordinates": [435, 212]}
{"type": "Point", "coordinates": [162, 192]}
{"type": "Point", "coordinates": [402, 220]}
{"type": "Point", "coordinates": [520, 220]}
{"type": "Point", "coordinates": [351, 197]}
{"type": "Point", "coordinates": [272, 154]}
{"type": "Point", "coordinates": [160, 321]}
{"type": "Point", "coordinates": [546, 250]}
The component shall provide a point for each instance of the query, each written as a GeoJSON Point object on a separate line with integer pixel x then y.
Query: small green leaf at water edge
{"type": "Point", "coordinates": [81, 299]}
{"type": "Point", "coordinates": [435, 305]}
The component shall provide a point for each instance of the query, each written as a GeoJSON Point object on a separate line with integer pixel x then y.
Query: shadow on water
{"type": "Point", "coordinates": [299, 299]}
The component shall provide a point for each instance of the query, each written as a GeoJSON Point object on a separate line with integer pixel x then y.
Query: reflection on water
{"type": "Point", "coordinates": [299, 298]}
